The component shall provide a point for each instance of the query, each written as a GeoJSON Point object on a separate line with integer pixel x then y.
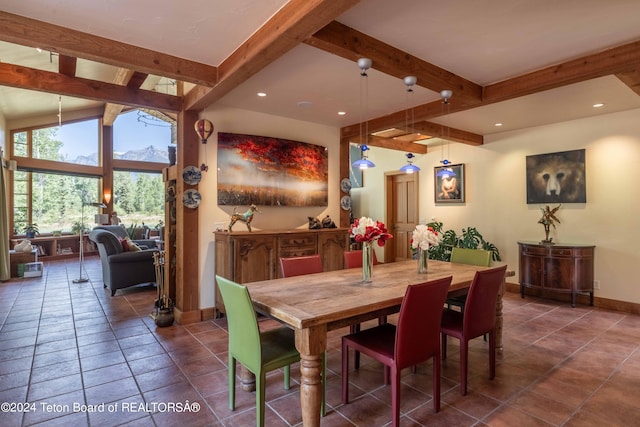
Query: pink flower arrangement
{"type": "Point", "coordinates": [367, 230]}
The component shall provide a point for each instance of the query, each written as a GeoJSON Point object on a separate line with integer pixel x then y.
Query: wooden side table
{"type": "Point", "coordinates": [21, 258]}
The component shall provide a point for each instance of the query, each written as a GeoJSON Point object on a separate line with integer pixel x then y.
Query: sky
{"type": "Point", "coordinates": [128, 134]}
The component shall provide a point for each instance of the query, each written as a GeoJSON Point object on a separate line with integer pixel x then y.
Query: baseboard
{"type": "Point", "coordinates": [604, 303]}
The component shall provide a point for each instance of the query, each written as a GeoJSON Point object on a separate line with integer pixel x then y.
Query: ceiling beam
{"type": "Point", "coordinates": [296, 21]}
{"type": "Point", "coordinates": [67, 65]}
{"type": "Point", "coordinates": [124, 77]}
{"type": "Point", "coordinates": [394, 144]}
{"type": "Point", "coordinates": [338, 39]}
{"type": "Point", "coordinates": [616, 60]}
{"type": "Point", "coordinates": [45, 81]}
{"type": "Point", "coordinates": [621, 60]}
{"type": "Point", "coordinates": [631, 79]}
{"type": "Point", "coordinates": [65, 41]}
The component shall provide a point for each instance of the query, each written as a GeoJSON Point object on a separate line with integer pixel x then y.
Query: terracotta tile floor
{"type": "Point", "coordinates": [63, 345]}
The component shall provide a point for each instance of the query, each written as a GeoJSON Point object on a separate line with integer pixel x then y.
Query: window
{"type": "Point", "coordinates": [142, 136]}
{"type": "Point", "coordinates": [138, 198]}
{"type": "Point", "coordinates": [76, 142]}
{"type": "Point", "coordinates": [54, 201]}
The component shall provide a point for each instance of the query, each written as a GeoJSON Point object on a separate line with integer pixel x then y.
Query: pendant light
{"type": "Point", "coordinates": [446, 95]}
{"type": "Point", "coordinates": [364, 163]}
{"type": "Point", "coordinates": [409, 81]}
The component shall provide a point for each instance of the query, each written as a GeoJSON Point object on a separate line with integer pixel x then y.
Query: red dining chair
{"type": "Point", "coordinates": [477, 319]}
{"type": "Point", "coordinates": [415, 339]}
{"type": "Point", "coordinates": [298, 266]}
{"type": "Point", "coordinates": [353, 259]}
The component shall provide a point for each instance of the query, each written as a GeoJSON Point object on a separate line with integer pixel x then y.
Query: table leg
{"type": "Point", "coordinates": [311, 343]}
{"type": "Point", "coordinates": [247, 379]}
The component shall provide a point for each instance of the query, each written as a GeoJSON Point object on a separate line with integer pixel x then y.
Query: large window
{"type": "Point", "coordinates": [138, 198]}
{"type": "Point", "coordinates": [76, 142]}
{"type": "Point", "coordinates": [60, 174]}
{"type": "Point", "coordinates": [53, 201]}
{"type": "Point", "coordinates": [142, 136]}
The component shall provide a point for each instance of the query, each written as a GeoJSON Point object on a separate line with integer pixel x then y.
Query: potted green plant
{"type": "Point", "coordinates": [78, 228]}
{"type": "Point", "coordinates": [470, 239]}
{"type": "Point", "coordinates": [31, 230]}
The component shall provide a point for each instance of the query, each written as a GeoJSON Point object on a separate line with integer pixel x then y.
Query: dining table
{"type": "Point", "coordinates": [314, 304]}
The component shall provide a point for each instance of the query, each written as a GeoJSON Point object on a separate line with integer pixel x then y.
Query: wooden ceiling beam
{"type": "Point", "coordinates": [296, 21]}
{"type": "Point", "coordinates": [343, 41]}
{"type": "Point", "coordinates": [67, 65]}
{"type": "Point", "coordinates": [616, 60]}
{"type": "Point", "coordinates": [124, 77]}
{"type": "Point", "coordinates": [394, 144]}
{"type": "Point", "coordinates": [631, 79]}
{"type": "Point", "coordinates": [60, 84]}
{"type": "Point", "coordinates": [30, 32]}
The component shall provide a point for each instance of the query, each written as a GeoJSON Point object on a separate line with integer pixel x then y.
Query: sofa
{"type": "Point", "coordinates": [121, 233]}
{"type": "Point", "coordinates": [122, 269]}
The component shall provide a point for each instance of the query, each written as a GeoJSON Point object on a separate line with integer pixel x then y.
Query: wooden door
{"type": "Point", "coordinates": [401, 212]}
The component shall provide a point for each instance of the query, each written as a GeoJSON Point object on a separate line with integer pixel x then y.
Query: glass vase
{"type": "Point", "coordinates": [423, 258]}
{"type": "Point", "coordinates": [367, 261]}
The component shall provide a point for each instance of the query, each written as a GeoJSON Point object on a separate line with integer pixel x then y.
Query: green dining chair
{"type": "Point", "coordinates": [259, 352]}
{"type": "Point", "coordinates": [478, 257]}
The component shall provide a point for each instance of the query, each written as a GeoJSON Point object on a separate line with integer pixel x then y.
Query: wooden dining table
{"type": "Point", "coordinates": [314, 304]}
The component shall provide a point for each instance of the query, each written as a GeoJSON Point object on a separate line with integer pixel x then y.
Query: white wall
{"type": "Point", "coordinates": [496, 193]}
{"type": "Point", "coordinates": [252, 123]}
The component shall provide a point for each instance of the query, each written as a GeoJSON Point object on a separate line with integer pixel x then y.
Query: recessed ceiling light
{"type": "Point", "coordinates": [498, 124]}
{"type": "Point", "coordinates": [598, 105]}
{"type": "Point", "coordinates": [262, 94]}
{"type": "Point", "coordinates": [342, 113]}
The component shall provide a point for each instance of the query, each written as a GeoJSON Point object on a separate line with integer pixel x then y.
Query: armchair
{"type": "Point", "coordinates": [122, 269]}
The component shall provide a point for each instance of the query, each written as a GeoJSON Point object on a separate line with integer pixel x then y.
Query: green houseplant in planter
{"type": "Point", "coordinates": [31, 230]}
{"type": "Point", "coordinates": [470, 239]}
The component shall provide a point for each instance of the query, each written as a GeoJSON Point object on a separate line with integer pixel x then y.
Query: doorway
{"type": "Point", "coordinates": [402, 198]}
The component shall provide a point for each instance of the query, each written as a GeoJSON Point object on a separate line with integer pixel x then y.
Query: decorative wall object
{"type": "Point", "coordinates": [449, 183]}
{"type": "Point", "coordinates": [557, 177]}
{"type": "Point", "coordinates": [271, 171]}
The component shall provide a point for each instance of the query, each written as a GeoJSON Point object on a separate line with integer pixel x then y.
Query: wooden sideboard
{"type": "Point", "coordinates": [244, 256]}
{"type": "Point", "coordinates": [558, 267]}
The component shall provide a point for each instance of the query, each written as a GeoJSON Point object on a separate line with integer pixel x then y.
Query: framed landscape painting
{"type": "Point", "coordinates": [449, 183]}
{"type": "Point", "coordinates": [557, 177]}
{"type": "Point", "coordinates": [266, 171]}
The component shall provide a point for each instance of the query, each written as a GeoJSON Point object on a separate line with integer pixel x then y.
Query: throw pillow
{"type": "Point", "coordinates": [133, 247]}
{"type": "Point", "coordinates": [125, 245]}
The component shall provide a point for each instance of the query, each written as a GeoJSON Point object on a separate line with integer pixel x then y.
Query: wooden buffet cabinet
{"type": "Point", "coordinates": [244, 256]}
{"type": "Point", "coordinates": [557, 267]}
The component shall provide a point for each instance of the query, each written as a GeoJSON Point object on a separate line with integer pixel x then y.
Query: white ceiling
{"type": "Point", "coordinates": [484, 41]}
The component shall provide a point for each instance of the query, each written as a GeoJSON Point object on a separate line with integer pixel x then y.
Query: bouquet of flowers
{"type": "Point", "coordinates": [367, 230]}
{"type": "Point", "coordinates": [423, 237]}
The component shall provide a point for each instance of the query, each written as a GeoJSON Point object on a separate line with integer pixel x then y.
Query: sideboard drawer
{"type": "Point", "coordinates": [298, 241]}
{"type": "Point", "coordinates": [561, 252]}
{"type": "Point", "coordinates": [534, 250]}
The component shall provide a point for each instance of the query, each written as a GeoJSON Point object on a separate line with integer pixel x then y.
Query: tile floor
{"type": "Point", "coordinates": [63, 345]}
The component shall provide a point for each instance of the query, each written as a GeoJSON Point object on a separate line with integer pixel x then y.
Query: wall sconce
{"type": "Point", "coordinates": [106, 196]}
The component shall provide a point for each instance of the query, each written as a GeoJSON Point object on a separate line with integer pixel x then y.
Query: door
{"type": "Point", "coordinates": [402, 213]}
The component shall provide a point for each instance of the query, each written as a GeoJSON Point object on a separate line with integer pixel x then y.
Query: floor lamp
{"type": "Point", "coordinates": [81, 278]}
